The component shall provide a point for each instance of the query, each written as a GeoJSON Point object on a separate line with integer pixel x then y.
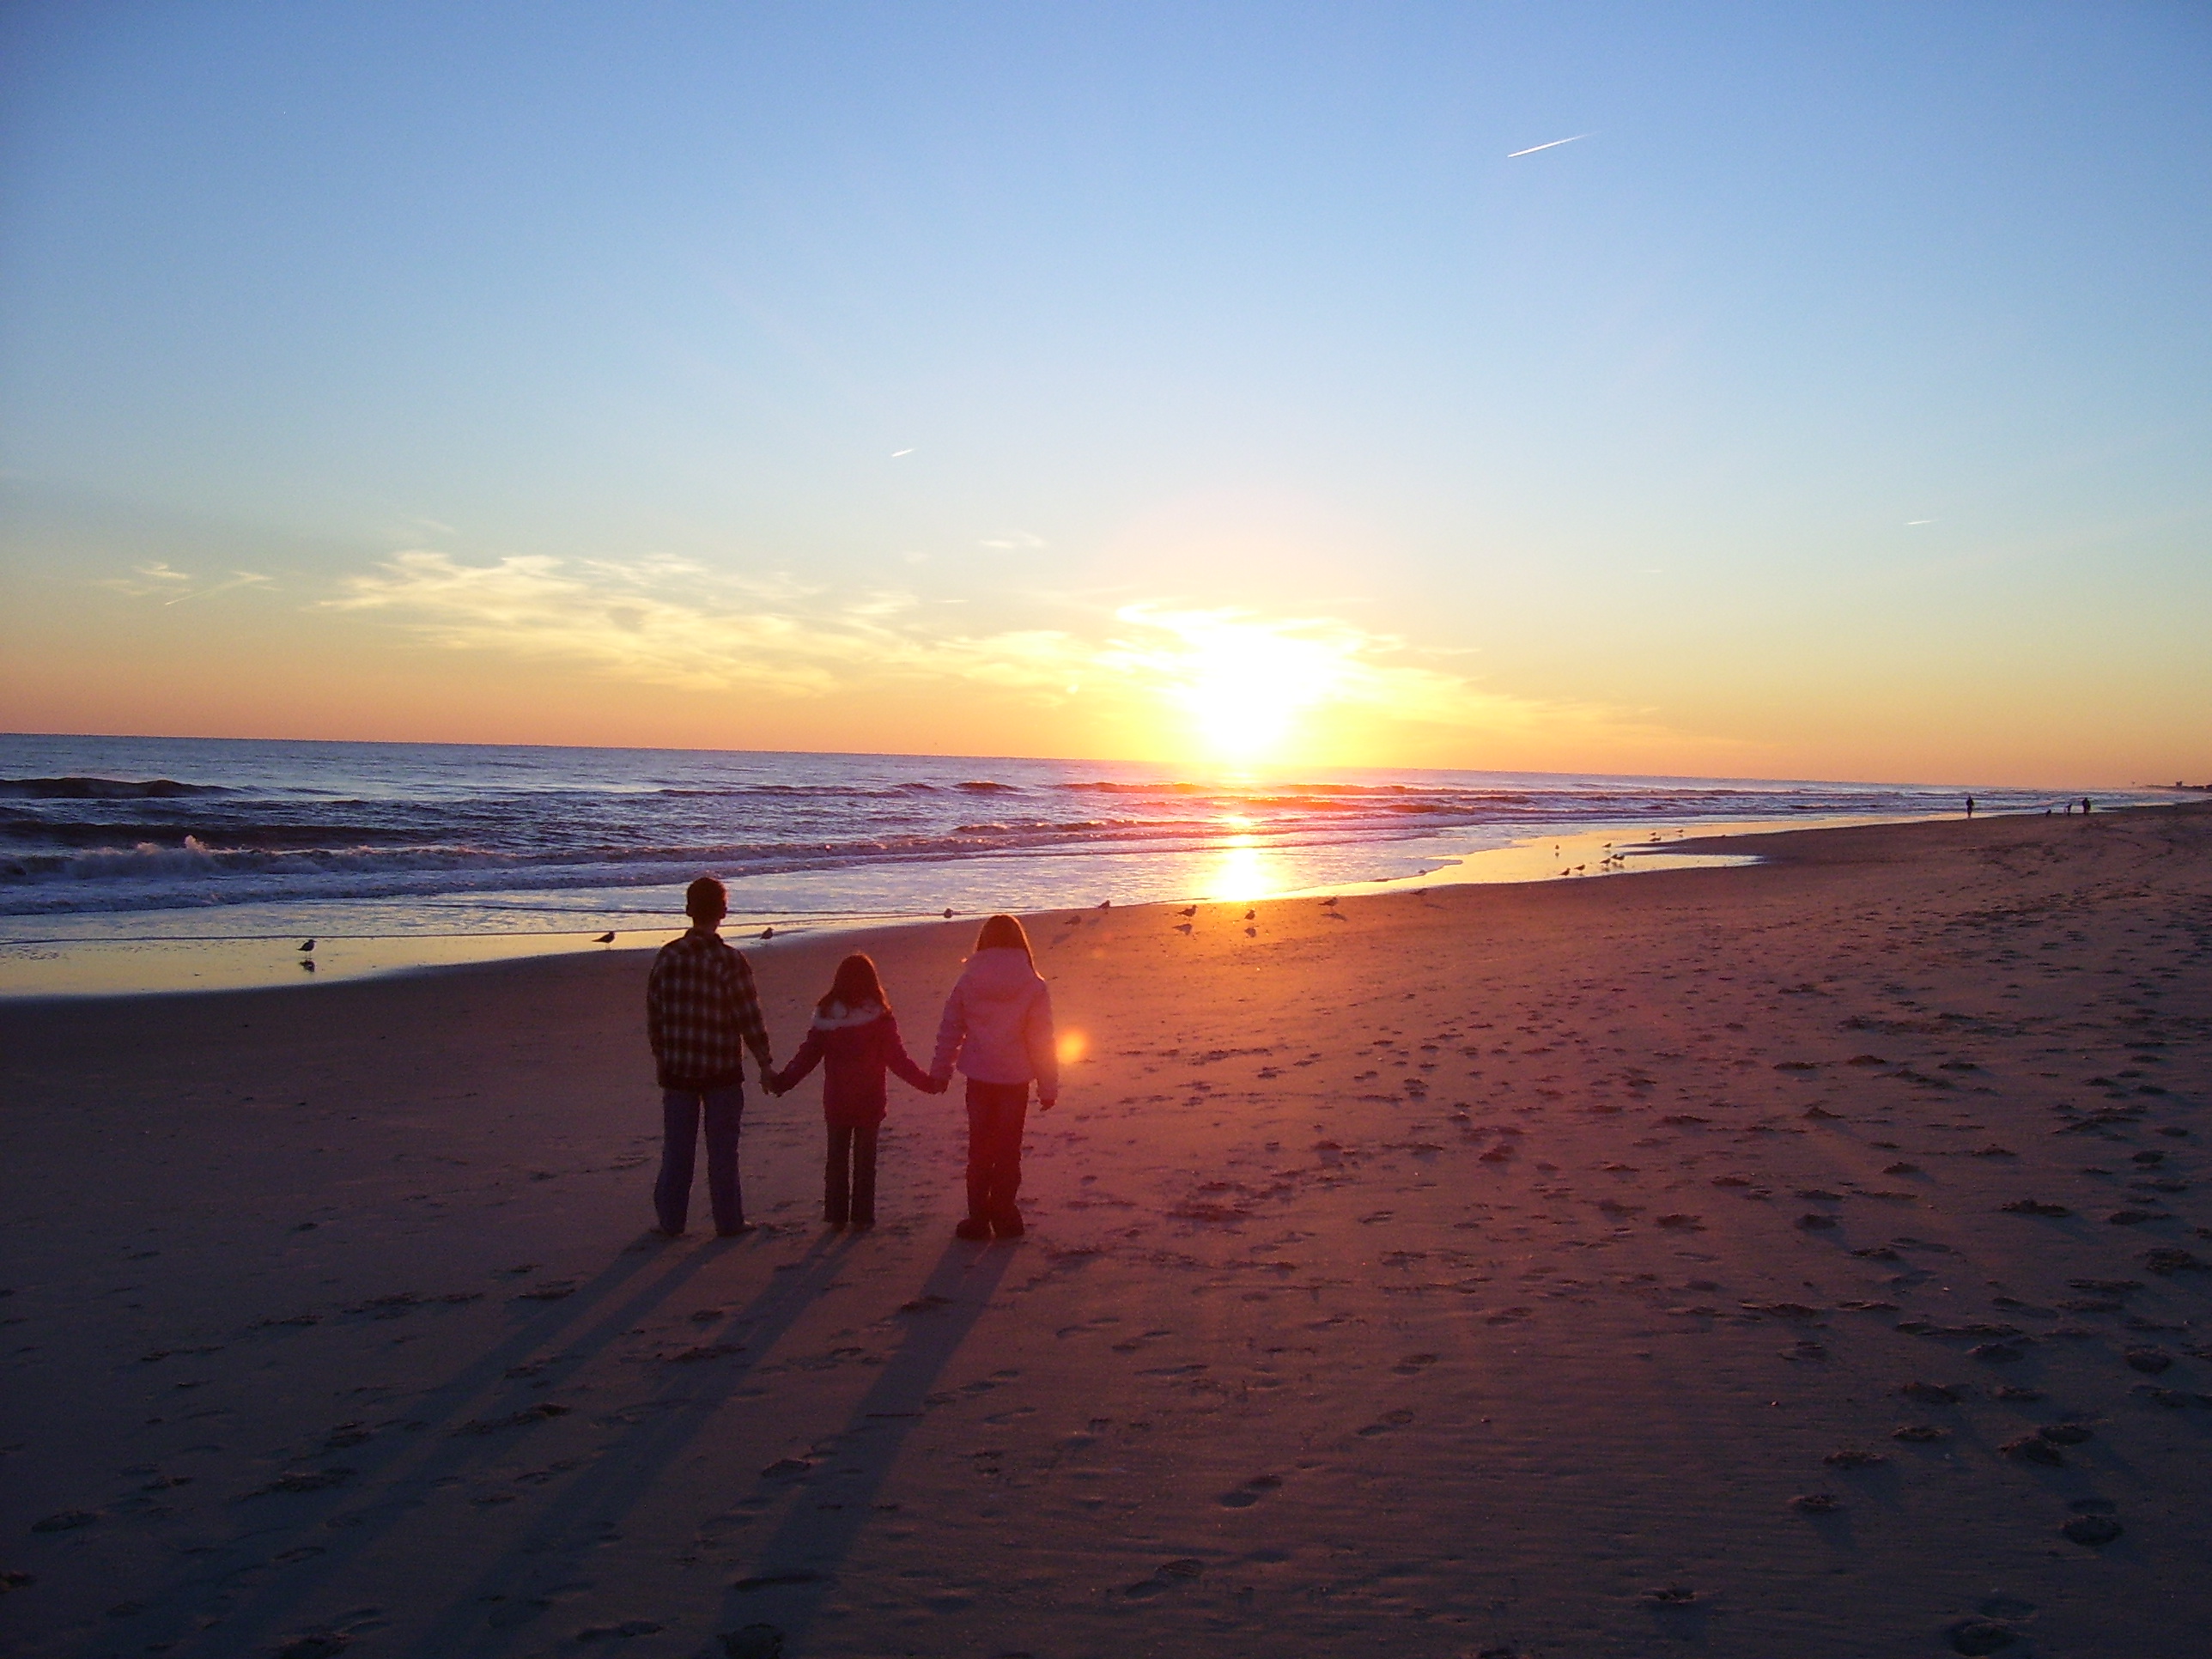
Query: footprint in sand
{"type": "Point", "coordinates": [1851, 1457]}
{"type": "Point", "coordinates": [1251, 1492]}
{"type": "Point", "coordinates": [1166, 1577]}
{"type": "Point", "coordinates": [1981, 1636]}
{"type": "Point", "coordinates": [753, 1642]}
{"type": "Point", "coordinates": [1932, 1394]}
{"type": "Point", "coordinates": [1389, 1420]}
{"type": "Point", "coordinates": [2093, 1529]}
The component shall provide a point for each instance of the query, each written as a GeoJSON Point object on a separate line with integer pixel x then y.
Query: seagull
{"type": "Point", "coordinates": [1330, 901]}
{"type": "Point", "coordinates": [768, 932]}
{"type": "Point", "coordinates": [948, 912]}
{"type": "Point", "coordinates": [308, 944]}
{"type": "Point", "coordinates": [1188, 910]}
{"type": "Point", "coordinates": [1251, 915]}
{"type": "Point", "coordinates": [1105, 904]}
{"type": "Point", "coordinates": [605, 939]}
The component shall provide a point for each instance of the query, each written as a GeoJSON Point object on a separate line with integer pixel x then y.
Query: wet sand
{"type": "Point", "coordinates": [1796, 1259]}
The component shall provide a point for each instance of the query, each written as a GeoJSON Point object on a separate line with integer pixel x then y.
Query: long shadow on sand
{"type": "Point", "coordinates": [796, 1565]}
{"type": "Point", "coordinates": [582, 1510]}
{"type": "Point", "coordinates": [447, 1430]}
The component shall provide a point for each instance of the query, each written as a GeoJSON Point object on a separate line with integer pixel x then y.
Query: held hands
{"type": "Point", "coordinates": [939, 1082]}
{"type": "Point", "coordinates": [1045, 1102]}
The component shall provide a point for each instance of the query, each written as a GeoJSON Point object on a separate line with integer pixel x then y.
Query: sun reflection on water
{"type": "Point", "coordinates": [1246, 870]}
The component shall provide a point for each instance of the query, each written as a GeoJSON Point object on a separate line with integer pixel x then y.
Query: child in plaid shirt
{"type": "Point", "coordinates": [700, 1014]}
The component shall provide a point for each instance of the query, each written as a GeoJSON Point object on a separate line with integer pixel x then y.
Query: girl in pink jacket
{"type": "Point", "coordinates": [855, 1040]}
{"type": "Point", "coordinates": [997, 1026]}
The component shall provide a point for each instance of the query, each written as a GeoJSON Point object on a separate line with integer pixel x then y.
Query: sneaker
{"type": "Point", "coordinates": [1008, 1226]}
{"type": "Point", "coordinates": [972, 1228]}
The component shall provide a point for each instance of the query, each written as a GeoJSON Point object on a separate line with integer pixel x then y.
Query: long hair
{"type": "Point", "coordinates": [855, 986]}
{"type": "Point", "coordinates": [1004, 933]}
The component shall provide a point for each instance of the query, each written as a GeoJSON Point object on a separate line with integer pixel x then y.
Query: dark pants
{"type": "Point", "coordinates": [680, 1112]}
{"type": "Point", "coordinates": [848, 1176]}
{"type": "Point", "coordinates": [996, 1113]}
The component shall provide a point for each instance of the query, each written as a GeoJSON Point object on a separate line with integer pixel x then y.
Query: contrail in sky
{"type": "Point", "coordinates": [1554, 144]}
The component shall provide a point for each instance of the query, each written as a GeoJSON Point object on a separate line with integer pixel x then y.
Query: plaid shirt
{"type": "Point", "coordinates": [699, 1008]}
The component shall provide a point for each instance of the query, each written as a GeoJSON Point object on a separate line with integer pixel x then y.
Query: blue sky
{"type": "Point", "coordinates": [1835, 407]}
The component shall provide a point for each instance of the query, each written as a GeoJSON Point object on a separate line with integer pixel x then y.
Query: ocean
{"type": "Point", "coordinates": [161, 863]}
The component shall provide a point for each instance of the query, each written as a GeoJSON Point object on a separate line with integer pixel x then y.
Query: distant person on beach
{"type": "Point", "coordinates": [702, 1014]}
{"type": "Point", "coordinates": [1970, 806]}
{"type": "Point", "coordinates": [2085, 804]}
{"type": "Point", "coordinates": [855, 1040]}
{"type": "Point", "coordinates": [998, 1026]}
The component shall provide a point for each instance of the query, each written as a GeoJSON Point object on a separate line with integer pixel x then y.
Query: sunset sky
{"type": "Point", "coordinates": [1183, 382]}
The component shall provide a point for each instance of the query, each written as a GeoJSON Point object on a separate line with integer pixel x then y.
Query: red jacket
{"type": "Point", "coordinates": [855, 1046]}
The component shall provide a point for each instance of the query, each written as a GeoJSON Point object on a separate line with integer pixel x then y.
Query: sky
{"type": "Point", "coordinates": [1202, 383]}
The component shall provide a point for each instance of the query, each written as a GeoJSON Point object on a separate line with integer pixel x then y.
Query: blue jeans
{"type": "Point", "coordinates": [681, 1110]}
{"type": "Point", "coordinates": [996, 1115]}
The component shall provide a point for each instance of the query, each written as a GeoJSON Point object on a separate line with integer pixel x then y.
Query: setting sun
{"type": "Point", "coordinates": [1243, 685]}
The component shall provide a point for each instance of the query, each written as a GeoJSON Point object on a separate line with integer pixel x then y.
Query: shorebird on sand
{"type": "Point", "coordinates": [307, 945]}
{"type": "Point", "coordinates": [1188, 910]}
{"type": "Point", "coordinates": [605, 939]}
{"type": "Point", "coordinates": [768, 932]}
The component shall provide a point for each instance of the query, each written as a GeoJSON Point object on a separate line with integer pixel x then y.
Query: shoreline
{"type": "Point", "coordinates": [165, 965]}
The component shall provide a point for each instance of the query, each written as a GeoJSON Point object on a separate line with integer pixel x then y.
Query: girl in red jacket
{"type": "Point", "coordinates": [855, 1039]}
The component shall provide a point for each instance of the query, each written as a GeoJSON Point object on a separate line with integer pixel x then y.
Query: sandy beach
{"type": "Point", "coordinates": [1799, 1259]}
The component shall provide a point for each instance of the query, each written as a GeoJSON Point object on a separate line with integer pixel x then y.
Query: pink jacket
{"type": "Point", "coordinates": [998, 1023]}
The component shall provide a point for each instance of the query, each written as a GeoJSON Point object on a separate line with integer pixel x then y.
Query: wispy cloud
{"type": "Point", "coordinates": [675, 622]}
{"type": "Point", "coordinates": [158, 582]}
